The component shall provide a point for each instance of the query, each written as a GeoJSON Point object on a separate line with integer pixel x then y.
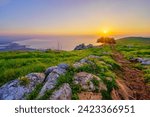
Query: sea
{"type": "Point", "coordinates": [50, 42]}
{"type": "Point", "coordinates": [41, 42]}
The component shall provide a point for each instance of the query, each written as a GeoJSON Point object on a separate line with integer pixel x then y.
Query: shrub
{"type": "Point", "coordinates": [106, 40]}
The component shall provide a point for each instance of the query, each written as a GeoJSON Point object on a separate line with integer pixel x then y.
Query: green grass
{"type": "Point", "coordinates": [19, 63]}
{"type": "Point", "coordinates": [35, 92]}
{"type": "Point", "coordinates": [134, 47]}
{"type": "Point", "coordinates": [134, 41]}
{"type": "Point", "coordinates": [98, 68]}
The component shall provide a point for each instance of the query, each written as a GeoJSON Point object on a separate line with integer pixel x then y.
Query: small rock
{"type": "Point", "coordinates": [139, 60]}
{"type": "Point", "coordinates": [64, 93]}
{"type": "Point", "coordinates": [77, 65]}
{"type": "Point", "coordinates": [143, 61]}
{"type": "Point", "coordinates": [93, 56]}
{"type": "Point", "coordinates": [83, 61]}
{"type": "Point", "coordinates": [135, 60]}
{"type": "Point", "coordinates": [146, 62]}
{"type": "Point", "coordinates": [106, 53]}
{"type": "Point", "coordinates": [86, 61]}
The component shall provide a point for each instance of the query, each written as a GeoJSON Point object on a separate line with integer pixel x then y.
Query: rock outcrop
{"type": "Point", "coordinates": [53, 74]}
{"type": "Point", "coordinates": [89, 82]}
{"type": "Point", "coordinates": [18, 89]}
{"type": "Point", "coordinates": [83, 46]}
{"type": "Point", "coordinates": [91, 86]}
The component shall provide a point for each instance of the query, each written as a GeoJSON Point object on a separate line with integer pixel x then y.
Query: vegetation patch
{"type": "Point", "coordinates": [96, 84]}
{"type": "Point", "coordinates": [35, 92]}
{"type": "Point", "coordinates": [20, 63]}
{"type": "Point", "coordinates": [111, 84]}
{"type": "Point", "coordinates": [24, 81]}
{"type": "Point", "coordinates": [47, 94]}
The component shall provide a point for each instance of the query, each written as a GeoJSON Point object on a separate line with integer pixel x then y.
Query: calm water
{"type": "Point", "coordinates": [58, 42]}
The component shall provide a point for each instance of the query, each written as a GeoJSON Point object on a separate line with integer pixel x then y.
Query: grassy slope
{"type": "Point", "coordinates": [133, 47]}
{"type": "Point", "coordinates": [19, 63]}
{"type": "Point", "coordinates": [134, 41]}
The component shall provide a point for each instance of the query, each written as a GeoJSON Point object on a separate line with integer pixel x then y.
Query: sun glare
{"type": "Point", "coordinates": [105, 31]}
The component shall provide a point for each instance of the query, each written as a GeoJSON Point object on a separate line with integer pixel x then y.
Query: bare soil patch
{"type": "Point", "coordinates": [130, 81]}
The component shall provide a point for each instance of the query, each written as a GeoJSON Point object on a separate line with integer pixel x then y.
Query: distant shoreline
{"type": "Point", "coordinates": [13, 47]}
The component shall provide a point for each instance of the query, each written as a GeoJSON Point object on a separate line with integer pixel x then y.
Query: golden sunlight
{"type": "Point", "coordinates": [104, 32]}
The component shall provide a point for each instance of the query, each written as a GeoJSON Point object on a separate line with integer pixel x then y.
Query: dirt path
{"type": "Point", "coordinates": [130, 81]}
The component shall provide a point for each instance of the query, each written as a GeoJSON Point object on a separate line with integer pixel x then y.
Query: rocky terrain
{"type": "Point", "coordinates": [90, 84]}
{"type": "Point", "coordinates": [105, 75]}
{"type": "Point", "coordinates": [83, 46]}
{"type": "Point", "coordinates": [83, 85]}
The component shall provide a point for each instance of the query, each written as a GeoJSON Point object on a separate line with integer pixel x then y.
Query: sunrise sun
{"type": "Point", "coordinates": [104, 32]}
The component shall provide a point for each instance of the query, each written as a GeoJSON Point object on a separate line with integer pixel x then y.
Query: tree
{"type": "Point", "coordinates": [106, 40]}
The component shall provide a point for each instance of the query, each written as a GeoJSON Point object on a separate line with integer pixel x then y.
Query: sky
{"type": "Point", "coordinates": [75, 17]}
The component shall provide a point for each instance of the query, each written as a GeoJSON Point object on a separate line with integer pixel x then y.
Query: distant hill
{"type": "Point", "coordinates": [134, 40]}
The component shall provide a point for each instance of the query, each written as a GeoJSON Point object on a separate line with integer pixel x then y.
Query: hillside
{"type": "Point", "coordinates": [94, 73]}
{"type": "Point", "coordinates": [134, 40]}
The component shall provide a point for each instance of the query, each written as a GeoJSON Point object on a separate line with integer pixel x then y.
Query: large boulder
{"type": "Point", "coordinates": [18, 89]}
{"type": "Point", "coordinates": [89, 82]}
{"type": "Point", "coordinates": [63, 93]}
{"type": "Point", "coordinates": [51, 79]}
{"type": "Point", "coordinates": [50, 83]}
